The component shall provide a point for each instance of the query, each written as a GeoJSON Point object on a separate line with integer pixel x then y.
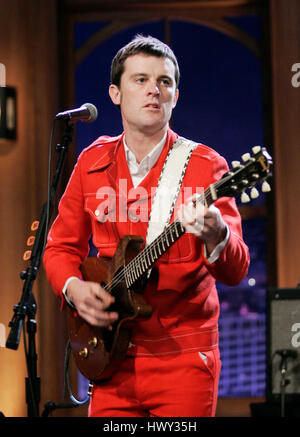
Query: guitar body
{"type": "Point", "coordinates": [98, 352]}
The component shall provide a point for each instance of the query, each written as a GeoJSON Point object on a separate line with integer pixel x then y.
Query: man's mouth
{"type": "Point", "coordinates": [152, 105]}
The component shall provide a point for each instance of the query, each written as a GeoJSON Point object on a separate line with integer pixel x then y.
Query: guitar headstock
{"type": "Point", "coordinates": [253, 169]}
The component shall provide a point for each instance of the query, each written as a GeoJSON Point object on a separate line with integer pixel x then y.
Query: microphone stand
{"type": "Point", "coordinates": [283, 383]}
{"type": "Point", "coordinates": [26, 308]}
{"type": "Point", "coordinates": [285, 354]}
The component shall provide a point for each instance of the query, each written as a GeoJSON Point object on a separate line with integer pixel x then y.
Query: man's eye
{"type": "Point", "coordinates": [140, 79]}
{"type": "Point", "coordinates": [166, 82]}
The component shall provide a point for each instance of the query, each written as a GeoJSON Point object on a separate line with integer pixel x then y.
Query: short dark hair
{"type": "Point", "coordinates": [141, 44]}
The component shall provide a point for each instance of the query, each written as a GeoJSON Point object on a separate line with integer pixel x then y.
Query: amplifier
{"type": "Point", "coordinates": [283, 343]}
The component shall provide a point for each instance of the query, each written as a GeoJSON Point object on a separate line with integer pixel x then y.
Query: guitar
{"type": "Point", "coordinates": [98, 352]}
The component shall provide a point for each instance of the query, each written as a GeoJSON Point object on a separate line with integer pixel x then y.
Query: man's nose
{"type": "Point", "coordinates": [153, 88]}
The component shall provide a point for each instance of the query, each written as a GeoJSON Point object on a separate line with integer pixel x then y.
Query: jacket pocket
{"type": "Point", "coordinates": [209, 361]}
{"type": "Point", "coordinates": [103, 219]}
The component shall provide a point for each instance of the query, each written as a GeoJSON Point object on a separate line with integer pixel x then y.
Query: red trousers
{"type": "Point", "coordinates": [184, 385]}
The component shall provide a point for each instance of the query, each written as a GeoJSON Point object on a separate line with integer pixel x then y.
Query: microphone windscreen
{"type": "Point", "coordinates": [93, 112]}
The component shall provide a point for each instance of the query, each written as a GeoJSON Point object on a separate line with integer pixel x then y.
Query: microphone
{"type": "Point", "coordinates": [87, 112]}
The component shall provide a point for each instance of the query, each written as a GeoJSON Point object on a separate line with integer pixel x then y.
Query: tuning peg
{"type": "Point", "coordinates": [256, 149]}
{"type": "Point", "coordinates": [246, 157]}
{"type": "Point", "coordinates": [245, 198]}
{"type": "Point", "coordinates": [255, 176]}
{"type": "Point", "coordinates": [235, 164]}
{"type": "Point", "coordinates": [254, 193]}
{"type": "Point", "coordinates": [265, 187]}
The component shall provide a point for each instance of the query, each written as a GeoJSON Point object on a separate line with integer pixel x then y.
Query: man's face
{"type": "Point", "coordinates": [147, 93]}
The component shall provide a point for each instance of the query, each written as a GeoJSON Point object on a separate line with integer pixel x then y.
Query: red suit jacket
{"type": "Point", "coordinates": [100, 200]}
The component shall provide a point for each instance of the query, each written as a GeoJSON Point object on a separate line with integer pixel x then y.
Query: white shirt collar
{"type": "Point", "coordinates": [149, 160]}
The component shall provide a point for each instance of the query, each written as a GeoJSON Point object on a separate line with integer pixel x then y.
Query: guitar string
{"type": "Point", "coordinates": [131, 267]}
{"type": "Point", "coordinates": [160, 238]}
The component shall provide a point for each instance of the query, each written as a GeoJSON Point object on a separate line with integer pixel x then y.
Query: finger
{"type": "Point", "coordinates": [98, 318]}
{"type": "Point", "coordinates": [97, 309]}
{"type": "Point", "coordinates": [194, 197]}
{"type": "Point", "coordinates": [196, 208]}
{"type": "Point", "coordinates": [185, 215]}
{"type": "Point", "coordinates": [97, 291]}
{"type": "Point", "coordinates": [192, 229]}
{"type": "Point", "coordinates": [188, 221]}
{"type": "Point", "coordinates": [213, 212]}
{"type": "Point", "coordinates": [180, 215]}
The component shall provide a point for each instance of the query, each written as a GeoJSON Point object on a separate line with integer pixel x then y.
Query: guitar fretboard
{"type": "Point", "coordinates": [137, 267]}
{"type": "Point", "coordinates": [147, 257]}
{"type": "Point", "coordinates": [233, 182]}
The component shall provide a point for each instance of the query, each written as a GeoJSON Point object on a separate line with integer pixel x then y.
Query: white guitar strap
{"type": "Point", "coordinates": [168, 187]}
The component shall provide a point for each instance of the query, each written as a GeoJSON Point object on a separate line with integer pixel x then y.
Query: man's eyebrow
{"type": "Point", "coordinates": [165, 76]}
{"type": "Point", "coordinates": [138, 74]}
{"type": "Point", "coordinates": [162, 76]}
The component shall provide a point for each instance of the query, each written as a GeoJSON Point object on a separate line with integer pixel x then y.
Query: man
{"type": "Point", "coordinates": [172, 365]}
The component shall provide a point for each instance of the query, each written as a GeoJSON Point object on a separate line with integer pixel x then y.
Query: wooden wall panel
{"type": "Point", "coordinates": [28, 48]}
{"type": "Point", "coordinates": [285, 45]}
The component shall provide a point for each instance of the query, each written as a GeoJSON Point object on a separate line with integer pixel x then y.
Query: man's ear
{"type": "Point", "coordinates": [176, 98]}
{"type": "Point", "coordinates": [114, 93]}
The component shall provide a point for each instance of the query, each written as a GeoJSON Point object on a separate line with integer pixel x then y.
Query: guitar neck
{"type": "Point", "coordinates": [242, 176]}
{"type": "Point", "coordinates": [171, 233]}
{"type": "Point", "coordinates": [233, 182]}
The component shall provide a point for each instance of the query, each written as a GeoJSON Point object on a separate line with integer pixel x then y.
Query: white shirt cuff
{"type": "Point", "coordinates": [218, 249]}
{"type": "Point", "coordinates": [64, 290]}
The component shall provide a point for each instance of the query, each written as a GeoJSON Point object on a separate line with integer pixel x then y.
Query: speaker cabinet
{"type": "Point", "coordinates": [283, 334]}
